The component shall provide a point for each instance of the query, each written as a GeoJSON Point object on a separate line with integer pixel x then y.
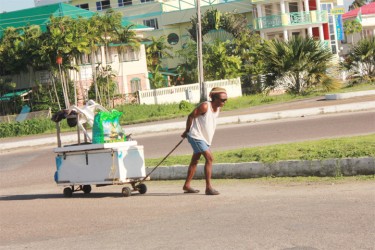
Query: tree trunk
{"type": "Point", "coordinates": [94, 73]}
{"type": "Point", "coordinates": [55, 90]}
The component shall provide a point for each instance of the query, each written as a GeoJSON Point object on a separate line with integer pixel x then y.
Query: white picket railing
{"type": "Point", "coordinates": [189, 92]}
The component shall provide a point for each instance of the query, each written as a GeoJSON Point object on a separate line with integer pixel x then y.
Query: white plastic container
{"type": "Point", "coordinates": [109, 163]}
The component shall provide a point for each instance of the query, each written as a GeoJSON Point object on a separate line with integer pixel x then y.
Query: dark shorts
{"type": "Point", "coordinates": [198, 146]}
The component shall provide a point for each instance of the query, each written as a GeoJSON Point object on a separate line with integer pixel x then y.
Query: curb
{"type": "Point", "coordinates": [349, 95]}
{"type": "Point", "coordinates": [320, 168]}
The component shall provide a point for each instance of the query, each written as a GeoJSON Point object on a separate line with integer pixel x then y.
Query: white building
{"type": "Point", "coordinates": [283, 19]}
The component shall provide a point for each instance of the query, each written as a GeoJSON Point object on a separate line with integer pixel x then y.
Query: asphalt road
{"type": "Point", "coordinates": [248, 214]}
{"type": "Point", "coordinates": [266, 133]}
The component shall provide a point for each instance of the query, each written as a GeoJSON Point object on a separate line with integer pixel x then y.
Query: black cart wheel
{"type": "Point", "coordinates": [126, 192]}
{"type": "Point", "coordinates": [142, 188]}
{"type": "Point", "coordinates": [86, 189]}
{"type": "Point", "coordinates": [68, 192]}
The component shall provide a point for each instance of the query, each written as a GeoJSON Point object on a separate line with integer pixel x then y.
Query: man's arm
{"type": "Point", "coordinates": [200, 110]}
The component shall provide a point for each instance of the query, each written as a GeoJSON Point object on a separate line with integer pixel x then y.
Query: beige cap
{"type": "Point", "coordinates": [218, 90]}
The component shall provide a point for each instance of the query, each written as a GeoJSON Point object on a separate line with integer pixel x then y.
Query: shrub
{"type": "Point", "coordinates": [185, 106]}
{"type": "Point", "coordinates": [28, 127]}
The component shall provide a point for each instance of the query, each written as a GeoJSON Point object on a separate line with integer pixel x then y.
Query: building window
{"type": "Point", "coordinates": [268, 9]}
{"type": "Point", "coordinates": [173, 39]}
{"type": "Point", "coordinates": [135, 85]}
{"type": "Point", "coordinates": [124, 2]}
{"type": "Point", "coordinates": [146, 1]}
{"type": "Point", "coordinates": [83, 6]}
{"type": "Point", "coordinates": [331, 26]}
{"type": "Point", "coordinates": [293, 7]}
{"type": "Point", "coordinates": [103, 5]}
{"type": "Point", "coordinates": [151, 23]}
{"type": "Point", "coordinates": [130, 55]}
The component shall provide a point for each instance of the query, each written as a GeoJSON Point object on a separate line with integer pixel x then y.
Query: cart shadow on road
{"type": "Point", "coordinates": [21, 197]}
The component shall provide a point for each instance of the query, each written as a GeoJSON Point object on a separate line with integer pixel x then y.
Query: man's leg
{"type": "Point", "coordinates": [191, 170]}
{"type": "Point", "coordinates": [208, 168]}
{"type": "Point", "coordinates": [208, 172]}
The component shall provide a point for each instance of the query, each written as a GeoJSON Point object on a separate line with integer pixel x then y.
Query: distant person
{"type": "Point", "coordinates": [200, 129]}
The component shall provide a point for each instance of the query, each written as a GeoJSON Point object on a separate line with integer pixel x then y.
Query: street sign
{"type": "Point", "coordinates": [338, 11]}
{"type": "Point", "coordinates": [339, 28]}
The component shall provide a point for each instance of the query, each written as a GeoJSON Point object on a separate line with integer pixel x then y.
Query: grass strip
{"type": "Point", "coordinates": [345, 147]}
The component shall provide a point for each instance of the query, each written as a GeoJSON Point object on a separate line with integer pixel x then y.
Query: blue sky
{"type": "Point", "coordinates": [12, 5]}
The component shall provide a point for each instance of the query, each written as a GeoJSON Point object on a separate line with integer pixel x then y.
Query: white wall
{"type": "Point", "coordinates": [178, 93]}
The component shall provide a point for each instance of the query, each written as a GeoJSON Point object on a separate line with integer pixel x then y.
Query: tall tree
{"type": "Point", "coordinates": [213, 19]}
{"type": "Point", "coordinates": [298, 64]}
{"type": "Point", "coordinates": [360, 61]}
{"type": "Point", "coordinates": [12, 60]}
{"type": "Point", "coordinates": [157, 50]}
{"type": "Point", "coordinates": [218, 64]}
{"type": "Point", "coordinates": [357, 4]}
{"type": "Point", "coordinates": [351, 27]}
{"type": "Point", "coordinates": [224, 56]}
{"type": "Point", "coordinates": [109, 22]}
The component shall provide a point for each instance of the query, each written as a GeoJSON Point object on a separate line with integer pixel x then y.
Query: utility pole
{"type": "Point", "coordinates": [202, 85]}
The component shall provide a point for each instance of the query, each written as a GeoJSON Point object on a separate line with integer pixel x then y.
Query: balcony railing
{"type": "Point", "coordinates": [290, 19]}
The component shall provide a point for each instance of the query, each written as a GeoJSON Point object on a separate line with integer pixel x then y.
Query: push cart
{"type": "Point", "coordinates": [83, 165]}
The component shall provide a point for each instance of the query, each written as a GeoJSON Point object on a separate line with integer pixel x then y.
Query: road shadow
{"type": "Point", "coordinates": [23, 197]}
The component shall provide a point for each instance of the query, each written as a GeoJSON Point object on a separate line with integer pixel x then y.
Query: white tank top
{"type": "Point", "coordinates": [203, 127]}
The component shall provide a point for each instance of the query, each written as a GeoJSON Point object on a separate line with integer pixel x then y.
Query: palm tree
{"type": "Point", "coordinates": [128, 40]}
{"type": "Point", "coordinates": [126, 36]}
{"type": "Point", "coordinates": [213, 19]}
{"type": "Point", "coordinates": [218, 64]}
{"type": "Point", "coordinates": [62, 42]}
{"type": "Point", "coordinates": [12, 59]}
{"type": "Point", "coordinates": [109, 22]}
{"type": "Point", "coordinates": [360, 61]}
{"type": "Point", "coordinates": [94, 45]}
{"type": "Point", "coordinates": [157, 80]}
{"type": "Point", "coordinates": [157, 50]}
{"type": "Point", "coordinates": [356, 4]}
{"type": "Point", "coordinates": [188, 68]}
{"type": "Point", "coordinates": [298, 64]}
{"type": "Point", "coordinates": [351, 27]}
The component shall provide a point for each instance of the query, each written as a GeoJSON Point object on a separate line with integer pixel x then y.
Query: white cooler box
{"type": "Point", "coordinates": [108, 163]}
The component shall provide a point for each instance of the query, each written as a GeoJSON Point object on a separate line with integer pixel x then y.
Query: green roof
{"type": "Point", "coordinates": [40, 16]}
{"type": "Point", "coordinates": [11, 95]}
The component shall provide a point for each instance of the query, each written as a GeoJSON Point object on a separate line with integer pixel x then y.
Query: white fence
{"type": "Point", "coordinates": [189, 92]}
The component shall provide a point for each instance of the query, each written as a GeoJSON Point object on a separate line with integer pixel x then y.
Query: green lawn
{"type": "Point", "coordinates": [346, 147]}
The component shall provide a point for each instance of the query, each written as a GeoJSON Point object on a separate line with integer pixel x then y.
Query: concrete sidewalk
{"type": "Point", "coordinates": [293, 109]}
